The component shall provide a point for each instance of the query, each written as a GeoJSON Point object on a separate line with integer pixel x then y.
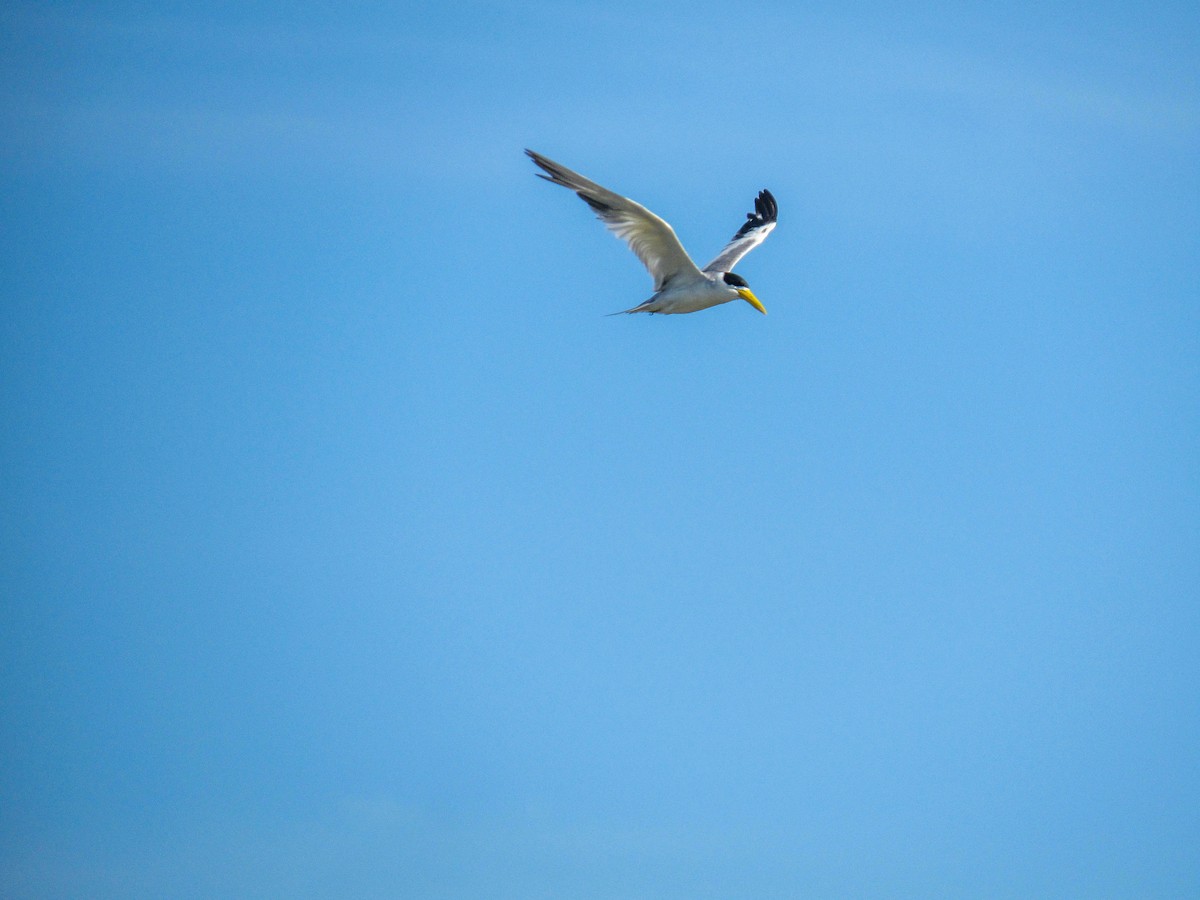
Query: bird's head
{"type": "Point", "coordinates": [739, 286]}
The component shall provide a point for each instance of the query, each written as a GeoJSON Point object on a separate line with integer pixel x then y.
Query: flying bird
{"type": "Point", "coordinates": [679, 285]}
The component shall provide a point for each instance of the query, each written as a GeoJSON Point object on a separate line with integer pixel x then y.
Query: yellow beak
{"type": "Point", "coordinates": [749, 297]}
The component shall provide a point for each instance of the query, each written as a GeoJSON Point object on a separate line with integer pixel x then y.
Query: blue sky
{"type": "Point", "coordinates": [350, 550]}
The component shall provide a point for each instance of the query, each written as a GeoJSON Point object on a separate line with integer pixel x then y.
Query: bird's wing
{"type": "Point", "coordinates": [649, 237]}
{"type": "Point", "coordinates": [753, 232]}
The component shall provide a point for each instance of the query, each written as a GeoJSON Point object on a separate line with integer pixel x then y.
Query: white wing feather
{"type": "Point", "coordinates": [651, 239]}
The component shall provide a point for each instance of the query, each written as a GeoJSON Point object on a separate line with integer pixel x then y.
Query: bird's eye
{"type": "Point", "coordinates": [735, 280]}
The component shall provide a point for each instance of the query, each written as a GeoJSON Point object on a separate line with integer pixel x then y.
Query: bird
{"type": "Point", "coordinates": [680, 286]}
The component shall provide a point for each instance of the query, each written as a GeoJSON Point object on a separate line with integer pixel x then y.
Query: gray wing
{"type": "Point", "coordinates": [753, 232]}
{"type": "Point", "coordinates": [649, 237]}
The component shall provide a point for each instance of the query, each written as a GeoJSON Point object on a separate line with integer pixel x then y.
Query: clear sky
{"type": "Point", "coordinates": [349, 550]}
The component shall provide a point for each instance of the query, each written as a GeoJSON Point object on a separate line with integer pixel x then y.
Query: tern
{"type": "Point", "coordinates": [679, 285]}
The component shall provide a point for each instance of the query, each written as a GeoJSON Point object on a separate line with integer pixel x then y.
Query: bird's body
{"type": "Point", "coordinates": [680, 286]}
{"type": "Point", "coordinates": [687, 296]}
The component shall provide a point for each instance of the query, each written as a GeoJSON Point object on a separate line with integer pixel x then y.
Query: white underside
{"type": "Point", "coordinates": [686, 298]}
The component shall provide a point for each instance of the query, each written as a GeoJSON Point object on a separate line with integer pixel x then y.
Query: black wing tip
{"type": "Point", "coordinates": [535, 156]}
{"type": "Point", "coordinates": [765, 206]}
{"type": "Point", "coordinates": [555, 176]}
{"type": "Point", "coordinates": [766, 210]}
{"type": "Point", "coordinates": [554, 172]}
{"type": "Point", "coordinates": [542, 163]}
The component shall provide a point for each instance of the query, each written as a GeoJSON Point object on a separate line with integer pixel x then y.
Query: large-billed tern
{"type": "Point", "coordinates": [679, 286]}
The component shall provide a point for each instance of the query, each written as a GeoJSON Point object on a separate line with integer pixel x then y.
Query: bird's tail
{"type": "Point", "coordinates": [641, 307]}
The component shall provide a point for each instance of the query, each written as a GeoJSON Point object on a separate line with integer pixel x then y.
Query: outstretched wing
{"type": "Point", "coordinates": [649, 237]}
{"type": "Point", "coordinates": [753, 232]}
